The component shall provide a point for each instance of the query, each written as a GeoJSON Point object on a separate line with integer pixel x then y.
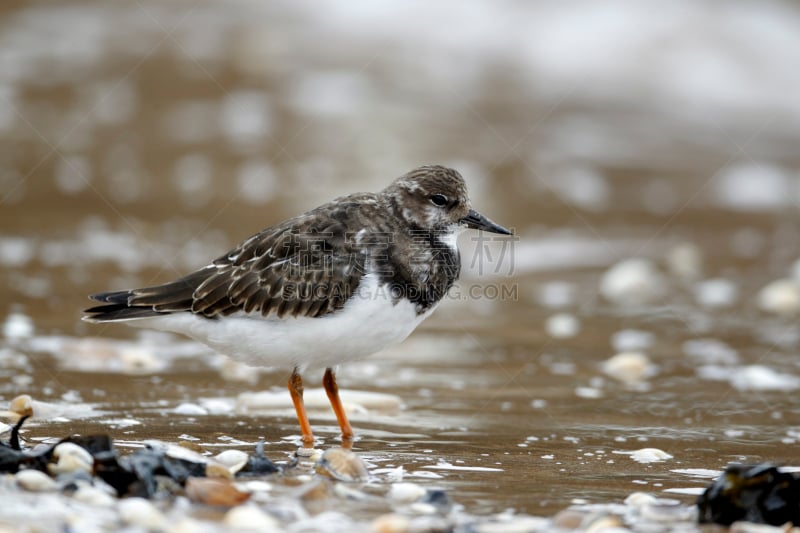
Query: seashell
{"type": "Point", "coordinates": [781, 297]}
{"type": "Point", "coordinates": [716, 293]}
{"type": "Point", "coordinates": [190, 409]}
{"type": "Point", "coordinates": [22, 405]}
{"type": "Point", "coordinates": [629, 367]}
{"type": "Point", "coordinates": [139, 512]}
{"type": "Point", "coordinates": [342, 465]}
{"type": "Point", "coordinates": [216, 470]}
{"type": "Point", "coordinates": [315, 491]}
{"type": "Point", "coordinates": [685, 261]}
{"type": "Point", "coordinates": [391, 523]}
{"type": "Point", "coordinates": [35, 481]}
{"type": "Point", "coordinates": [214, 491]}
{"type": "Point", "coordinates": [646, 455]}
{"type": "Point", "coordinates": [562, 326]}
{"type": "Point", "coordinates": [601, 523]}
{"type": "Point", "coordinates": [93, 496]}
{"type": "Point", "coordinates": [568, 519]}
{"type": "Point", "coordinates": [633, 282]}
{"type": "Point", "coordinates": [69, 457]}
{"type": "Point", "coordinates": [189, 525]}
{"type": "Point", "coordinates": [233, 460]}
{"type": "Point", "coordinates": [406, 492]}
{"type": "Point", "coordinates": [250, 518]}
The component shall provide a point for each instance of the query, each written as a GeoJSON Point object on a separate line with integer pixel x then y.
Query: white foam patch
{"type": "Point", "coordinates": [445, 465]}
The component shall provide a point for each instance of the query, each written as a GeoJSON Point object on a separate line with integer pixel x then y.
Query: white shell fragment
{"type": "Point", "coordinates": [716, 293]}
{"type": "Point", "coordinates": [139, 512]}
{"type": "Point", "coordinates": [94, 496]}
{"type": "Point", "coordinates": [35, 481]}
{"type": "Point", "coordinates": [762, 378]}
{"type": "Point", "coordinates": [629, 367]}
{"type": "Point", "coordinates": [633, 282]}
{"type": "Point", "coordinates": [69, 457]}
{"type": "Point", "coordinates": [406, 492]}
{"type": "Point", "coordinates": [17, 326]}
{"type": "Point", "coordinates": [342, 465]}
{"type": "Point", "coordinates": [232, 460]}
{"type": "Point", "coordinates": [391, 523]}
{"type": "Point", "coordinates": [781, 297]}
{"type": "Point", "coordinates": [646, 455]}
{"type": "Point", "coordinates": [562, 326]}
{"type": "Point", "coordinates": [250, 518]}
{"type": "Point", "coordinates": [685, 261]}
{"type": "Point", "coordinates": [190, 409]}
{"type": "Point", "coordinates": [663, 510]}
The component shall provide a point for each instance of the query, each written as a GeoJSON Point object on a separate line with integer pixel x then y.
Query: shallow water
{"type": "Point", "coordinates": [134, 152]}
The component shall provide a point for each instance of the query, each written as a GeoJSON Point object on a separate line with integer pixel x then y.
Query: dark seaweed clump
{"type": "Point", "coordinates": [754, 493]}
{"type": "Point", "coordinates": [141, 473]}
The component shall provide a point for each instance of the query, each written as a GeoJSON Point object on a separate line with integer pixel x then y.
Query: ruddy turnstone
{"type": "Point", "coordinates": [335, 284]}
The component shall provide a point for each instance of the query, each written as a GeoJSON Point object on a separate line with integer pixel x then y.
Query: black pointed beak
{"type": "Point", "coordinates": [475, 220]}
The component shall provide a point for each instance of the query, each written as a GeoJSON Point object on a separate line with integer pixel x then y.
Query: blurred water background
{"type": "Point", "coordinates": [138, 140]}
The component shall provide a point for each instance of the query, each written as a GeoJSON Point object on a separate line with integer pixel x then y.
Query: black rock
{"type": "Point", "coordinates": [258, 464]}
{"type": "Point", "coordinates": [754, 493]}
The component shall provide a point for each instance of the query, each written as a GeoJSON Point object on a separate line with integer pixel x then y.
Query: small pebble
{"type": "Point", "coordinates": [562, 326]}
{"type": "Point", "coordinates": [632, 340]}
{"type": "Point", "coordinates": [316, 490]}
{"type": "Point", "coordinates": [633, 282]}
{"type": "Point", "coordinates": [139, 512]}
{"type": "Point", "coordinates": [685, 261]}
{"type": "Point", "coordinates": [35, 481]}
{"type": "Point", "coordinates": [250, 518]}
{"type": "Point", "coordinates": [17, 326]}
{"type": "Point", "coordinates": [390, 523]}
{"type": "Point", "coordinates": [588, 393]}
{"type": "Point", "coordinates": [717, 293]}
{"type": "Point", "coordinates": [21, 405]}
{"type": "Point", "coordinates": [629, 367]}
{"type": "Point", "coordinates": [406, 492]}
{"type": "Point", "coordinates": [190, 409]}
{"type": "Point", "coordinates": [780, 297]}
{"type": "Point", "coordinates": [94, 496]}
{"type": "Point", "coordinates": [214, 491]}
{"type": "Point", "coordinates": [233, 460]}
{"type": "Point", "coordinates": [68, 457]}
{"type": "Point", "coordinates": [342, 465]}
{"type": "Point", "coordinates": [216, 470]}
{"type": "Point", "coordinates": [648, 455]}
{"type": "Point", "coordinates": [710, 351]}
{"type": "Point", "coordinates": [602, 523]}
{"type": "Point", "coordinates": [763, 378]}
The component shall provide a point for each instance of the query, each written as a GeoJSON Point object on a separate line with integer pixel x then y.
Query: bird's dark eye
{"type": "Point", "coordinates": [439, 200]}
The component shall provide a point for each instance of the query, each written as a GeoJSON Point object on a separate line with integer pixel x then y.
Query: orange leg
{"type": "Point", "coordinates": [296, 390]}
{"type": "Point", "coordinates": [329, 382]}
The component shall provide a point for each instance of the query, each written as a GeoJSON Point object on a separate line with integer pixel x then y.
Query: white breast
{"type": "Point", "coordinates": [368, 323]}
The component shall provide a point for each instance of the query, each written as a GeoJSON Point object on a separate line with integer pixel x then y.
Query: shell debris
{"type": "Point", "coordinates": [342, 465]}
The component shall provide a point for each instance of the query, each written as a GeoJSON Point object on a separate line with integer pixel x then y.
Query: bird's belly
{"type": "Point", "coordinates": [369, 322]}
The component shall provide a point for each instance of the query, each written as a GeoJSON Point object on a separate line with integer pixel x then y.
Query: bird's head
{"type": "Point", "coordinates": [434, 198]}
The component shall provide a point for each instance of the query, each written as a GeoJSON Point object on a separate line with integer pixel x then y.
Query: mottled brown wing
{"type": "Point", "coordinates": [306, 266]}
{"type": "Point", "coordinates": [301, 270]}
